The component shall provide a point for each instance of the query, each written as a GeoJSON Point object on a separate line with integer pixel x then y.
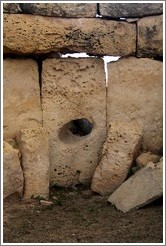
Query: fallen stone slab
{"type": "Point", "coordinates": [143, 187]}
{"type": "Point", "coordinates": [21, 96]}
{"type": "Point", "coordinates": [60, 9]}
{"type": "Point", "coordinates": [150, 36]}
{"type": "Point", "coordinates": [33, 144]}
{"type": "Point", "coordinates": [123, 142]}
{"type": "Point", "coordinates": [12, 172]}
{"type": "Point", "coordinates": [135, 93]}
{"type": "Point", "coordinates": [33, 34]}
{"type": "Point", "coordinates": [144, 158]}
{"type": "Point", "coordinates": [130, 10]}
{"type": "Point", "coordinates": [74, 112]}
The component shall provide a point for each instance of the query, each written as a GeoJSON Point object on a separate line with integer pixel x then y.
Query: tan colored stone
{"type": "Point", "coordinates": [12, 172]}
{"type": "Point", "coordinates": [21, 94]}
{"type": "Point", "coordinates": [119, 10]}
{"type": "Point", "coordinates": [123, 142]}
{"type": "Point", "coordinates": [74, 89]}
{"type": "Point", "coordinates": [33, 144]}
{"type": "Point", "coordinates": [143, 187]}
{"type": "Point", "coordinates": [150, 36]}
{"type": "Point", "coordinates": [143, 159]}
{"type": "Point", "coordinates": [135, 93]}
{"type": "Point", "coordinates": [29, 34]}
{"type": "Point", "coordinates": [60, 9]}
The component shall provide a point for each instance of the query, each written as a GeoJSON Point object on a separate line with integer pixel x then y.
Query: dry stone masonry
{"type": "Point", "coordinates": [68, 125]}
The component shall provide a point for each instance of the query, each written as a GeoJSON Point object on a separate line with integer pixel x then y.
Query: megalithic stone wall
{"type": "Point", "coordinates": [40, 90]}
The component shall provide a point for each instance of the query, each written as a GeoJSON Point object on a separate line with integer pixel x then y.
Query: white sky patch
{"type": "Point", "coordinates": [76, 55]}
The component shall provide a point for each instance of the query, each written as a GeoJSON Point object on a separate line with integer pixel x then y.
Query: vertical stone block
{"type": "Point", "coordinates": [12, 172]}
{"type": "Point", "coordinates": [33, 144]}
{"type": "Point", "coordinates": [135, 94]}
{"type": "Point", "coordinates": [74, 112]}
{"type": "Point", "coordinates": [22, 108]}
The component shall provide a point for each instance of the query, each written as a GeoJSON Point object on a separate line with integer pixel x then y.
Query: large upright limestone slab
{"type": "Point", "coordinates": [135, 94]}
{"type": "Point", "coordinates": [130, 10]}
{"type": "Point", "coordinates": [122, 144]}
{"type": "Point", "coordinates": [12, 172]}
{"type": "Point", "coordinates": [21, 95]}
{"type": "Point", "coordinates": [29, 34]}
{"type": "Point", "coordinates": [33, 145]}
{"type": "Point", "coordinates": [150, 36]}
{"type": "Point", "coordinates": [143, 187]}
{"type": "Point", "coordinates": [60, 9]}
{"type": "Point", "coordinates": [74, 89]}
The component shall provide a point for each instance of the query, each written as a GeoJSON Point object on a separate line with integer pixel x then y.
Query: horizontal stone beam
{"type": "Point", "coordinates": [28, 34]}
{"type": "Point", "coordinates": [53, 9]}
{"type": "Point", "coordinates": [121, 10]}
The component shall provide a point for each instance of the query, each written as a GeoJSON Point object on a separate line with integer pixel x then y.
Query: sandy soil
{"type": "Point", "coordinates": [80, 216]}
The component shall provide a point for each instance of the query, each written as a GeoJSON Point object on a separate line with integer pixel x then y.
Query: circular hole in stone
{"type": "Point", "coordinates": [81, 127]}
{"type": "Point", "coordinates": [75, 129]}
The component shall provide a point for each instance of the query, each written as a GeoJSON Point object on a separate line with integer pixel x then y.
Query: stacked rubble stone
{"type": "Point", "coordinates": [67, 124]}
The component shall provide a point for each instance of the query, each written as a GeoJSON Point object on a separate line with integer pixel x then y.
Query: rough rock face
{"type": "Point", "coordinates": [144, 158]}
{"type": "Point", "coordinates": [143, 187]}
{"type": "Point", "coordinates": [33, 144]}
{"type": "Point", "coordinates": [74, 89]}
{"type": "Point", "coordinates": [12, 172]}
{"type": "Point", "coordinates": [22, 107]}
{"type": "Point", "coordinates": [38, 34]}
{"type": "Point", "coordinates": [117, 10]}
{"type": "Point", "coordinates": [150, 36]}
{"type": "Point", "coordinates": [120, 148]}
{"type": "Point", "coordinates": [11, 8]}
{"type": "Point", "coordinates": [60, 9]}
{"type": "Point", "coordinates": [135, 93]}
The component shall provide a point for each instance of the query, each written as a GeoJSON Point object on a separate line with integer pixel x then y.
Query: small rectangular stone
{"type": "Point", "coordinates": [33, 144]}
{"type": "Point", "coordinates": [130, 10]}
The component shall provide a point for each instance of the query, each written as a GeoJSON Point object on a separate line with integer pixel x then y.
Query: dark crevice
{"type": "Point", "coordinates": [98, 8]}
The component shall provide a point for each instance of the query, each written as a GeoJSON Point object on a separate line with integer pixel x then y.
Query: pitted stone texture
{"type": "Point", "coordinates": [60, 9]}
{"type": "Point", "coordinates": [122, 144]}
{"type": "Point", "coordinates": [22, 108]}
{"type": "Point", "coordinates": [11, 8]}
{"type": "Point", "coordinates": [144, 158]}
{"type": "Point", "coordinates": [33, 144]}
{"type": "Point", "coordinates": [135, 93]}
{"type": "Point", "coordinates": [150, 36]}
{"type": "Point", "coordinates": [37, 34]}
{"type": "Point", "coordinates": [143, 187]}
{"type": "Point", "coordinates": [12, 173]}
{"type": "Point", "coordinates": [119, 10]}
{"type": "Point", "coordinates": [74, 89]}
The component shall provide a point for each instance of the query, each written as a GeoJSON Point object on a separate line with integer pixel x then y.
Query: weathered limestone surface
{"type": "Point", "coordinates": [143, 187]}
{"type": "Point", "coordinates": [12, 172]}
{"type": "Point", "coordinates": [33, 144]}
{"type": "Point", "coordinates": [144, 158]}
{"type": "Point", "coordinates": [150, 36]}
{"type": "Point", "coordinates": [11, 8]}
{"type": "Point", "coordinates": [74, 89]}
{"type": "Point", "coordinates": [38, 34]}
{"type": "Point", "coordinates": [117, 10]}
{"type": "Point", "coordinates": [60, 9]}
{"type": "Point", "coordinates": [135, 93]}
{"type": "Point", "coordinates": [122, 144]}
{"type": "Point", "coordinates": [22, 107]}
